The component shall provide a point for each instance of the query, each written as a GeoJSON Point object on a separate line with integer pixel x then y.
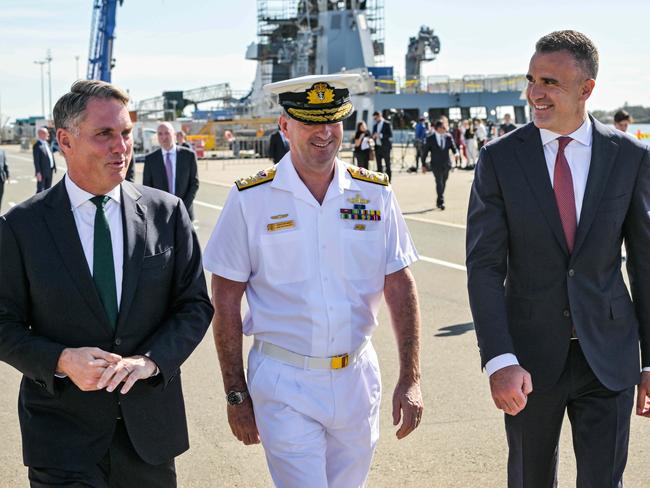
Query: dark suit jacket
{"type": "Point", "coordinates": [439, 155]}
{"type": "Point", "coordinates": [277, 147]}
{"type": "Point", "coordinates": [514, 235]}
{"type": "Point", "coordinates": [387, 134]}
{"type": "Point", "coordinates": [48, 302]}
{"type": "Point", "coordinates": [41, 160]}
{"type": "Point", "coordinates": [187, 179]}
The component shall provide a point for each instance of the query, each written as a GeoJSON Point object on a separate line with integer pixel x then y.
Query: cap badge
{"type": "Point", "coordinates": [320, 93]}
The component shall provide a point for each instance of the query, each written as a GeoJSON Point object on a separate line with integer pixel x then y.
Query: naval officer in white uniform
{"type": "Point", "coordinates": [314, 243]}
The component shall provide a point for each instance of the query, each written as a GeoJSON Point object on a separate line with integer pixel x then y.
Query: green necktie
{"type": "Point", "coordinates": [103, 269]}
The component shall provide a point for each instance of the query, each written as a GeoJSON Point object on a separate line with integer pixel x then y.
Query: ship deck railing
{"type": "Point", "coordinates": [444, 84]}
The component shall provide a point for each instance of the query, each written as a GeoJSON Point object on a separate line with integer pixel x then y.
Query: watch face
{"type": "Point", "coordinates": [235, 397]}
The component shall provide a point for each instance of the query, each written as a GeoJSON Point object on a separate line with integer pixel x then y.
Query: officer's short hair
{"type": "Point", "coordinates": [577, 44]}
{"type": "Point", "coordinates": [439, 123]}
{"type": "Point", "coordinates": [70, 109]}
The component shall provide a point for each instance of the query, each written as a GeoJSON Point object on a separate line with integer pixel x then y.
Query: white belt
{"type": "Point", "coordinates": [309, 362]}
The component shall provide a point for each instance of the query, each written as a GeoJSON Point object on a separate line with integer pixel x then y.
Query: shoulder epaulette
{"type": "Point", "coordinates": [369, 176]}
{"type": "Point", "coordinates": [259, 178]}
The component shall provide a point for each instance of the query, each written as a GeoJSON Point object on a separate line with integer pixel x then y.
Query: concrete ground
{"type": "Point", "coordinates": [461, 441]}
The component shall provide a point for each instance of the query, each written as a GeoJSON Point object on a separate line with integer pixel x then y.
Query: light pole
{"type": "Point", "coordinates": [77, 63]}
{"type": "Point", "coordinates": [41, 63]}
{"type": "Point", "coordinates": [49, 80]}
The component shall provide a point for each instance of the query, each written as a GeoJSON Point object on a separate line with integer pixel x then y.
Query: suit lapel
{"type": "Point", "coordinates": [603, 156]}
{"type": "Point", "coordinates": [60, 221]}
{"type": "Point", "coordinates": [135, 234]}
{"type": "Point", "coordinates": [530, 155]}
{"type": "Point", "coordinates": [163, 172]}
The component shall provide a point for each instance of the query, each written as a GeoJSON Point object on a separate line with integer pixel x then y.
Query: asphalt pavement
{"type": "Point", "coordinates": [461, 441]}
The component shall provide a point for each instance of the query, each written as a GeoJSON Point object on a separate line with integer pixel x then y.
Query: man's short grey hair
{"type": "Point", "coordinates": [577, 44]}
{"type": "Point", "coordinates": [70, 109]}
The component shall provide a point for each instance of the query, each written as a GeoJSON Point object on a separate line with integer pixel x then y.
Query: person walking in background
{"type": "Point", "coordinates": [470, 143]}
{"type": "Point", "coordinates": [457, 136]}
{"type": "Point", "coordinates": [44, 163]}
{"type": "Point", "coordinates": [418, 141]}
{"type": "Point", "coordinates": [313, 390]}
{"type": "Point", "coordinates": [172, 168]}
{"type": "Point", "coordinates": [438, 145]}
{"type": "Point", "coordinates": [362, 145]}
{"type": "Point", "coordinates": [278, 145]}
{"type": "Point", "coordinates": [102, 298]}
{"type": "Point", "coordinates": [622, 120]}
{"type": "Point", "coordinates": [4, 174]}
{"type": "Point", "coordinates": [507, 125]}
{"type": "Point", "coordinates": [557, 330]}
{"type": "Point", "coordinates": [382, 134]}
{"type": "Point", "coordinates": [181, 140]}
{"type": "Point", "coordinates": [481, 133]}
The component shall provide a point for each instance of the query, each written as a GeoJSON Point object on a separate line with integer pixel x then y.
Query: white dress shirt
{"type": "Point", "coordinates": [315, 282]}
{"type": "Point", "coordinates": [380, 136]}
{"type": "Point", "coordinates": [172, 154]}
{"type": "Point", "coordinates": [84, 212]}
{"type": "Point", "coordinates": [49, 153]}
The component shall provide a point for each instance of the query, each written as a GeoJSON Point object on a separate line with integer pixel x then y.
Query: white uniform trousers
{"type": "Point", "coordinates": [319, 428]}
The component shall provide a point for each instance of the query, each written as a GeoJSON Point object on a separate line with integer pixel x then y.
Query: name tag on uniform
{"type": "Point", "coordinates": [287, 224]}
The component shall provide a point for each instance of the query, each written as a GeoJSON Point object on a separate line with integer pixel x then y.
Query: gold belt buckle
{"type": "Point", "coordinates": [338, 362]}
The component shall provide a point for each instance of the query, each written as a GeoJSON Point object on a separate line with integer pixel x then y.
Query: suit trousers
{"type": "Point", "coordinates": [319, 428]}
{"type": "Point", "coordinates": [600, 424]}
{"type": "Point", "coordinates": [121, 467]}
{"type": "Point", "coordinates": [2, 190]}
{"type": "Point", "coordinates": [440, 173]}
{"type": "Point", "coordinates": [382, 154]}
{"type": "Point", "coordinates": [45, 183]}
{"type": "Point", "coordinates": [419, 153]}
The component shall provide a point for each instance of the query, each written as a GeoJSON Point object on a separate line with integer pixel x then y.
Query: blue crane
{"type": "Point", "coordinates": [102, 34]}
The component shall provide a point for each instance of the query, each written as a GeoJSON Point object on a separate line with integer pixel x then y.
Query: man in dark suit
{"type": "Point", "coordinates": [44, 163]}
{"type": "Point", "coordinates": [438, 145]}
{"type": "Point", "coordinates": [172, 168]}
{"type": "Point", "coordinates": [4, 173]}
{"type": "Point", "coordinates": [180, 140]}
{"type": "Point", "coordinates": [278, 146]}
{"type": "Point", "coordinates": [102, 298]}
{"type": "Point", "coordinates": [550, 206]}
{"type": "Point", "coordinates": [382, 133]}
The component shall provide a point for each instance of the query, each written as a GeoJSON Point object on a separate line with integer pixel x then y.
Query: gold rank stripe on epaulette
{"type": "Point", "coordinates": [259, 178]}
{"type": "Point", "coordinates": [369, 176]}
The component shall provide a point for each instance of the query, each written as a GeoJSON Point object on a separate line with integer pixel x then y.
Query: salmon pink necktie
{"type": "Point", "coordinates": [564, 196]}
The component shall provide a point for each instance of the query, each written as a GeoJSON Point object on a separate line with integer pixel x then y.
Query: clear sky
{"type": "Point", "coordinates": [182, 44]}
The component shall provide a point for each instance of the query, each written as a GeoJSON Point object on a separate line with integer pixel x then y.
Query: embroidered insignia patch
{"type": "Point", "coordinates": [320, 93]}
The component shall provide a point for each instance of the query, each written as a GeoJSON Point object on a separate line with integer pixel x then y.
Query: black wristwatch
{"type": "Point", "coordinates": [236, 397]}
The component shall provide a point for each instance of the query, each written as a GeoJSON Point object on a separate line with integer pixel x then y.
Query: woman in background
{"type": "Point", "coordinates": [362, 147]}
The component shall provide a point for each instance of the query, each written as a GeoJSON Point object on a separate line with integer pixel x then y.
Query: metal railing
{"type": "Point", "coordinates": [445, 84]}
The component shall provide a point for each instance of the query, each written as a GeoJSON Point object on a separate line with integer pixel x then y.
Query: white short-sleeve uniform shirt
{"type": "Point", "coordinates": [315, 277]}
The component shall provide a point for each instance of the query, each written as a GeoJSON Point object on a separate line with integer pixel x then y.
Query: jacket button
{"type": "Point", "coordinates": [572, 272]}
{"type": "Point", "coordinates": [118, 341]}
{"type": "Point", "coordinates": [566, 313]}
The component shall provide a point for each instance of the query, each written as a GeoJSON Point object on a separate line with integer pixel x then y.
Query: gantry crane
{"type": "Point", "coordinates": [102, 34]}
